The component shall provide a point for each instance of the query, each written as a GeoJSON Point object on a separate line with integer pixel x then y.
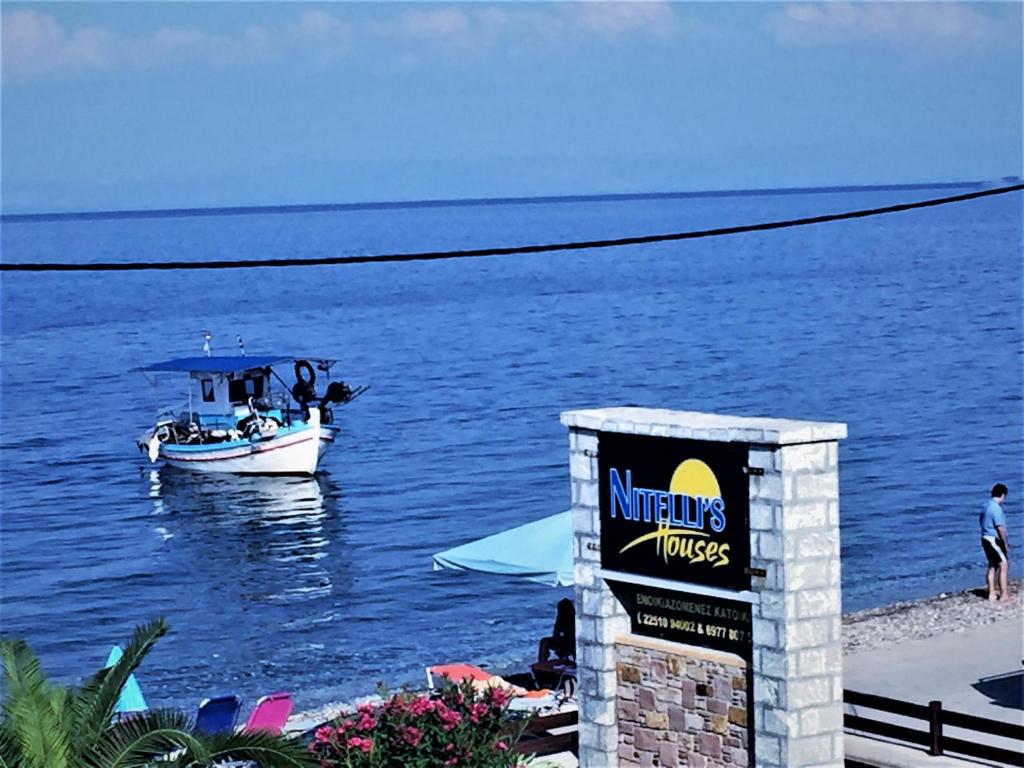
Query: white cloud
{"type": "Point", "coordinates": [614, 19]}
{"type": "Point", "coordinates": [322, 26]}
{"type": "Point", "coordinates": [450, 22]}
{"type": "Point", "coordinates": [516, 29]}
{"type": "Point", "coordinates": [451, 28]}
{"type": "Point", "coordinates": [916, 24]}
{"type": "Point", "coordinates": [36, 43]}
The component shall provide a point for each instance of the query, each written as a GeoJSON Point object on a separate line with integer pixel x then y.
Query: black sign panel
{"type": "Point", "coordinates": [675, 509]}
{"type": "Point", "coordinates": [709, 622]}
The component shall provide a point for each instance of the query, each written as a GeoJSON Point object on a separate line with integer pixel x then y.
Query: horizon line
{"type": "Point", "coordinates": [292, 208]}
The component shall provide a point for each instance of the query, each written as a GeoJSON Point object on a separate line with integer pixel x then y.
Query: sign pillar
{"type": "Point", "coordinates": [707, 589]}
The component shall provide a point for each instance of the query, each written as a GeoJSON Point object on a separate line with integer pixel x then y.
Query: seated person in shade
{"type": "Point", "coordinates": [563, 635]}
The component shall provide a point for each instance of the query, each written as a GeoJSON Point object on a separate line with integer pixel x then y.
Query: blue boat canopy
{"type": "Point", "coordinates": [224, 363]}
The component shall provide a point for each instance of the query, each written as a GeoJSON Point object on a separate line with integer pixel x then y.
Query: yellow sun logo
{"type": "Point", "coordinates": [694, 478]}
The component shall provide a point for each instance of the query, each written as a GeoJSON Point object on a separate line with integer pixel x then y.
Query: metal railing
{"type": "Point", "coordinates": [936, 718]}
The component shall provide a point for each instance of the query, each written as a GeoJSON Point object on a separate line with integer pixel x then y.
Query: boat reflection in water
{"type": "Point", "coordinates": [271, 535]}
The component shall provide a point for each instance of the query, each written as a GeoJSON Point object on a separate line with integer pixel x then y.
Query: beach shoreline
{"type": "Point", "coordinates": [945, 613]}
{"type": "Point", "coordinates": [865, 630]}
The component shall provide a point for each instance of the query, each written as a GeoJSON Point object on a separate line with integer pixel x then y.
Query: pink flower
{"type": "Point", "coordinates": [449, 717]}
{"type": "Point", "coordinates": [501, 746]}
{"type": "Point", "coordinates": [412, 736]}
{"type": "Point", "coordinates": [421, 706]}
{"type": "Point", "coordinates": [323, 734]}
{"type": "Point", "coordinates": [453, 761]}
{"type": "Point", "coordinates": [396, 704]}
{"type": "Point", "coordinates": [358, 742]}
{"type": "Point", "coordinates": [499, 696]}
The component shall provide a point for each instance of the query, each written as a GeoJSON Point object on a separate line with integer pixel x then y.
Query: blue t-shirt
{"type": "Point", "coordinates": [991, 517]}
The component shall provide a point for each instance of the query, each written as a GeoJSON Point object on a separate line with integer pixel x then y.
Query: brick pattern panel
{"type": "Point", "coordinates": [676, 710]}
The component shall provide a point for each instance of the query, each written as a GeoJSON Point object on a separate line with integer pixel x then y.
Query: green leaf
{"type": "Point", "coordinates": [36, 726]}
{"type": "Point", "coordinates": [139, 741]}
{"type": "Point", "coordinates": [265, 749]}
{"type": "Point", "coordinates": [97, 699]}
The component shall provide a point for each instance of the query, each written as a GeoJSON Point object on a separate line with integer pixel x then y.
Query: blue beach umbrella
{"type": "Point", "coordinates": [131, 698]}
{"type": "Point", "coordinates": [540, 551]}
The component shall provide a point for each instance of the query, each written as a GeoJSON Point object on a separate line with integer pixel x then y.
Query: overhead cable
{"type": "Point", "coordinates": [135, 266]}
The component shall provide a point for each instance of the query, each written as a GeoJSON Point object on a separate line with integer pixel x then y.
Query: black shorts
{"type": "Point", "coordinates": [995, 552]}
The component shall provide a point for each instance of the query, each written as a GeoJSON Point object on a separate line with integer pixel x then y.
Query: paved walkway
{"type": "Point", "coordinates": [977, 671]}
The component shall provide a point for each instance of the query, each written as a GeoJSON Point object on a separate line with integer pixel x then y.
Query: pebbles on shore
{"type": "Point", "coordinates": [918, 619]}
{"type": "Point", "coordinates": [862, 631]}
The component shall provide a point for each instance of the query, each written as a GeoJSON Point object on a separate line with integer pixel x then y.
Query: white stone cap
{"type": "Point", "coordinates": [694, 425]}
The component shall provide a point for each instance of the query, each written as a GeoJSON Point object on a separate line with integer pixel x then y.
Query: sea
{"type": "Point", "coordinates": [905, 326]}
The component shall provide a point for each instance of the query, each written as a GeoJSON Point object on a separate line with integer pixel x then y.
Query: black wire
{"type": "Point", "coordinates": [505, 251]}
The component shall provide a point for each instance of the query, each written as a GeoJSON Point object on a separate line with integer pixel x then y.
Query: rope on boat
{"type": "Point", "coordinates": [496, 251]}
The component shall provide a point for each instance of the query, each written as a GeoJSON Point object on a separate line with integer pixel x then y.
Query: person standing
{"type": "Point", "coordinates": [996, 544]}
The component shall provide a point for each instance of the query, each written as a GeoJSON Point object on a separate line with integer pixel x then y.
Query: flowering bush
{"type": "Point", "coordinates": [460, 726]}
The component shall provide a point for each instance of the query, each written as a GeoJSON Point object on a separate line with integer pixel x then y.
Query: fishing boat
{"type": "Point", "coordinates": [243, 418]}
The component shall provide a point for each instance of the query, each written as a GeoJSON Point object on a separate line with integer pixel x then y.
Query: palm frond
{"type": "Point", "coordinates": [9, 756]}
{"type": "Point", "coordinates": [265, 749]}
{"type": "Point", "coordinates": [36, 726]}
{"type": "Point", "coordinates": [141, 740]}
{"type": "Point", "coordinates": [97, 699]}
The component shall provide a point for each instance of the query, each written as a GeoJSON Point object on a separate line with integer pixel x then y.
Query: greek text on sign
{"type": "Point", "coordinates": [683, 618]}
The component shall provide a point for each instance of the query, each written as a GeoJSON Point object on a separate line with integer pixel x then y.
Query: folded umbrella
{"type": "Point", "coordinates": [131, 698]}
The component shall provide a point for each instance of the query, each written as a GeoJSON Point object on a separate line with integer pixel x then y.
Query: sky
{"type": "Point", "coordinates": [133, 105]}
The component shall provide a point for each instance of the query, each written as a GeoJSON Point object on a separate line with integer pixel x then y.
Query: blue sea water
{"type": "Point", "coordinates": [908, 327]}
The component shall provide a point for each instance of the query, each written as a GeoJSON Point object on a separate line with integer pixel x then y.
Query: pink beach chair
{"type": "Point", "coordinates": [270, 713]}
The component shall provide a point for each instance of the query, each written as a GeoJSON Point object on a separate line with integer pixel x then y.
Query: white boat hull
{"type": "Point", "coordinates": [296, 453]}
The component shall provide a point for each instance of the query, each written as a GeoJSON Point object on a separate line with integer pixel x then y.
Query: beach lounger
{"type": "Point", "coordinates": [270, 713]}
{"type": "Point", "coordinates": [482, 679]}
{"type": "Point", "coordinates": [457, 673]}
{"type": "Point", "coordinates": [218, 714]}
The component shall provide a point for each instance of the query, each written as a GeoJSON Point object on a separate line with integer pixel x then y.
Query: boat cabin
{"type": "Point", "coordinates": [221, 388]}
{"type": "Point", "coordinates": [221, 399]}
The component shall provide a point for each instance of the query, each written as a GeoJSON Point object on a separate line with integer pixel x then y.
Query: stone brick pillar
{"type": "Point", "coordinates": [796, 667]}
{"type": "Point", "coordinates": [599, 617]}
{"type": "Point", "coordinates": [798, 652]}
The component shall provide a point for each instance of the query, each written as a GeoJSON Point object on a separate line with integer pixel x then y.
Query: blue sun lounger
{"type": "Point", "coordinates": [218, 714]}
